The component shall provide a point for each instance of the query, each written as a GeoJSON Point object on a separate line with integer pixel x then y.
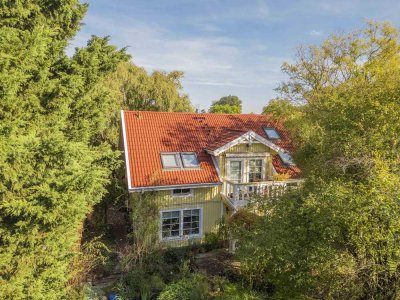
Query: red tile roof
{"type": "Point", "coordinates": [150, 133]}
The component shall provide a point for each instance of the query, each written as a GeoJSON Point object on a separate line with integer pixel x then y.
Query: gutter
{"type": "Point", "coordinates": [172, 187]}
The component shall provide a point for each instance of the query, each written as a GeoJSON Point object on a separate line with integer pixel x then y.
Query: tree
{"type": "Point", "coordinates": [336, 238]}
{"type": "Point", "coordinates": [227, 105]}
{"type": "Point", "coordinates": [134, 89]}
{"type": "Point", "coordinates": [53, 164]}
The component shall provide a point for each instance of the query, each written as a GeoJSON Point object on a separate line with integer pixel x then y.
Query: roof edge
{"type": "Point", "coordinates": [171, 187]}
{"type": "Point", "coordinates": [126, 155]}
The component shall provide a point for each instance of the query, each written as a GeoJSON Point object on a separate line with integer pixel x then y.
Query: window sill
{"type": "Point", "coordinates": [182, 238]}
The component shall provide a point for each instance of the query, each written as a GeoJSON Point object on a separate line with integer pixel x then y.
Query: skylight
{"type": "Point", "coordinates": [286, 158]}
{"type": "Point", "coordinates": [173, 160]}
{"type": "Point", "coordinates": [271, 133]}
{"type": "Point", "coordinates": [170, 160]}
{"type": "Point", "coordinates": [189, 160]}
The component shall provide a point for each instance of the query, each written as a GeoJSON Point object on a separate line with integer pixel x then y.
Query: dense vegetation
{"type": "Point", "coordinates": [334, 238]}
{"type": "Point", "coordinates": [337, 238]}
{"type": "Point", "coordinates": [57, 139]}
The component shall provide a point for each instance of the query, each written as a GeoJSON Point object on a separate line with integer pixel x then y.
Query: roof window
{"type": "Point", "coordinates": [271, 133]}
{"type": "Point", "coordinates": [286, 158]}
{"type": "Point", "coordinates": [171, 160]}
{"type": "Point", "coordinates": [175, 160]}
{"type": "Point", "coordinates": [189, 160]}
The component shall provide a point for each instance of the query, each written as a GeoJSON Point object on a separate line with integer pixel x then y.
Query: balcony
{"type": "Point", "coordinates": [238, 195]}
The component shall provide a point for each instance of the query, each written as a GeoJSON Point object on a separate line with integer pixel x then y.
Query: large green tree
{"type": "Point", "coordinates": [227, 105]}
{"type": "Point", "coordinates": [337, 238]}
{"type": "Point", "coordinates": [54, 165]}
{"type": "Point", "coordinates": [134, 89]}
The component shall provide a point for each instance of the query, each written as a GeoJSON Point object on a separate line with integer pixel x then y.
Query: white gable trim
{"type": "Point", "coordinates": [246, 138]}
{"type": "Point", "coordinates": [216, 166]}
{"type": "Point", "coordinates": [126, 154]}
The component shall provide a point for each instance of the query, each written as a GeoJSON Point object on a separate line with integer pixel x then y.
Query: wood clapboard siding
{"type": "Point", "coordinates": [209, 199]}
{"type": "Point", "coordinates": [242, 148]}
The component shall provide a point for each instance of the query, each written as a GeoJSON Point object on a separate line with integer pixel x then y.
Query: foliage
{"type": "Point", "coordinates": [193, 287]}
{"type": "Point", "coordinates": [336, 238]}
{"type": "Point", "coordinates": [227, 105]}
{"type": "Point", "coordinates": [134, 89]}
{"type": "Point", "coordinates": [232, 291]}
{"type": "Point", "coordinates": [145, 223]}
{"type": "Point", "coordinates": [53, 164]}
{"type": "Point", "coordinates": [281, 176]}
{"type": "Point", "coordinates": [157, 269]}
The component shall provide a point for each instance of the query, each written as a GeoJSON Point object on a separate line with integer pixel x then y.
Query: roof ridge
{"type": "Point", "coordinates": [192, 113]}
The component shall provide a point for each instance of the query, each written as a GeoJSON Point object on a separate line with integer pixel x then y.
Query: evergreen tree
{"type": "Point", "coordinates": [53, 165]}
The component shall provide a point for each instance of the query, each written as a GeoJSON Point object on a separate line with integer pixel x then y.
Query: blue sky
{"type": "Point", "coordinates": [225, 47]}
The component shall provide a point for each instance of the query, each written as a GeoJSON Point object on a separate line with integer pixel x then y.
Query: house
{"type": "Point", "coordinates": [201, 167]}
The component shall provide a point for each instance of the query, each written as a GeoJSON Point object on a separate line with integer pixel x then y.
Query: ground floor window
{"type": "Point", "coordinates": [180, 223]}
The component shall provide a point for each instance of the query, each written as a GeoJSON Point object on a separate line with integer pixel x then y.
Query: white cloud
{"type": "Point", "coordinates": [315, 33]}
{"type": "Point", "coordinates": [213, 64]}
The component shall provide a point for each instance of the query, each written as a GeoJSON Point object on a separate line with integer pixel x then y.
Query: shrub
{"type": "Point", "coordinates": [195, 287]}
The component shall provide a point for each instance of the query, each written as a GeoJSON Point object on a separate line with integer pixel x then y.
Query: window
{"type": "Point", "coordinates": [170, 160]}
{"type": "Point", "coordinates": [286, 158]}
{"type": "Point", "coordinates": [180, 223]}
{"type": "Point", "coordinates": [175, 160]}
{"type": "Point", "coordinates": [171, 224]}
{"type": "Point", "coordinates": [189, 160]}
{"type": "Point", "coordinates": [255, 170]}
{"type": "Point", "coordinates": [191, 221]}
{"type": "Point", "coordinates": [181, 192]}
{"type": "Point", "coordinates": [271, 133]}
{"type": "Point", "coordinates": [235, 170]}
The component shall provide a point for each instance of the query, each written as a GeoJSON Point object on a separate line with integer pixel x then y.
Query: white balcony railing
{"type": "Point", "coordinates": [239, 194]}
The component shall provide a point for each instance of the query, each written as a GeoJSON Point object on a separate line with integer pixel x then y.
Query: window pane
{"type": "Point", "coordinates": [170, 160]}
{"type": "Point", "coordinates": [272, 133]}
{"type": "Point", "coordinates": [286, 158]}
{"type": "Point", "coordinates": [255, 170]}
{"type": "Point", "coordinates": [170, 224]}
{"type": "Point", "coordinates": [191, 224]}
{"type": "Point", "coordinates": [181, 192]}
{"type": "Point", "coordinates": [189, 160]}
{"type": "Point", "coordinates": [235, 170]}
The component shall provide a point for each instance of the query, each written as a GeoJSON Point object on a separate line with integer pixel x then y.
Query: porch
{"type": "Point", "coordinates": [238, 195]}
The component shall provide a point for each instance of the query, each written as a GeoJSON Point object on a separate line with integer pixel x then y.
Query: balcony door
{"type": "Point", "coordinates": [235, 170]}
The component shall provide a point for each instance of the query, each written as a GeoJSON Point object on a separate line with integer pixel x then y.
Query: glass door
{"type": "Point", "coordinates": [235, 171]}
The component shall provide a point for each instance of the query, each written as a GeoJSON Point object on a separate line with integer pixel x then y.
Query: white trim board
{"type": "Point", "coordinates": [171, 187]}
{"type": "Point", "coordinates": [182, 237]}
{"type": "Point", "coordinates": [246, 138]}
{"type": "Point", "coordinates": [126, 154]}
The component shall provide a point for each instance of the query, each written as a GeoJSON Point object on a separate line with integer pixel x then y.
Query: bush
{"type": "Point", "coordinates": [195, 287]}
{"type": "Point", "coordinates": [213, 241]}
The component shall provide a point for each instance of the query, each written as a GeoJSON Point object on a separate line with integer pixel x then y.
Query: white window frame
{"type": "Point", "coordinates": [190, 194]}
{"type": "Point", "coordinates": [177, 157]}
{"type": "Point", "coordinates": [262, 168]}
{"type": "Point", "coordinates": [244, 158]}
{"type": "Point", "coordinates": [228, 169]}
{"type": "Point", "coordinates": [189, 153]}
{"type": "Point", "coordinates": [181, 236]}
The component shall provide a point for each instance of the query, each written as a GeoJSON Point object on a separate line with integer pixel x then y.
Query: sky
{"type": "Point", "coordinates": [225, 47]}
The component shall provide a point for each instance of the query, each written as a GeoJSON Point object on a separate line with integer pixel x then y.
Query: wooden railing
{"type": "Point", "coordinates": [239, 194]}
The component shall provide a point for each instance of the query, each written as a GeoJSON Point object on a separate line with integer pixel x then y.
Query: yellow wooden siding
{"type": "Point", "coordinates": [243, 148]}
{"type": "Point", "coordinates": [208, 199]}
